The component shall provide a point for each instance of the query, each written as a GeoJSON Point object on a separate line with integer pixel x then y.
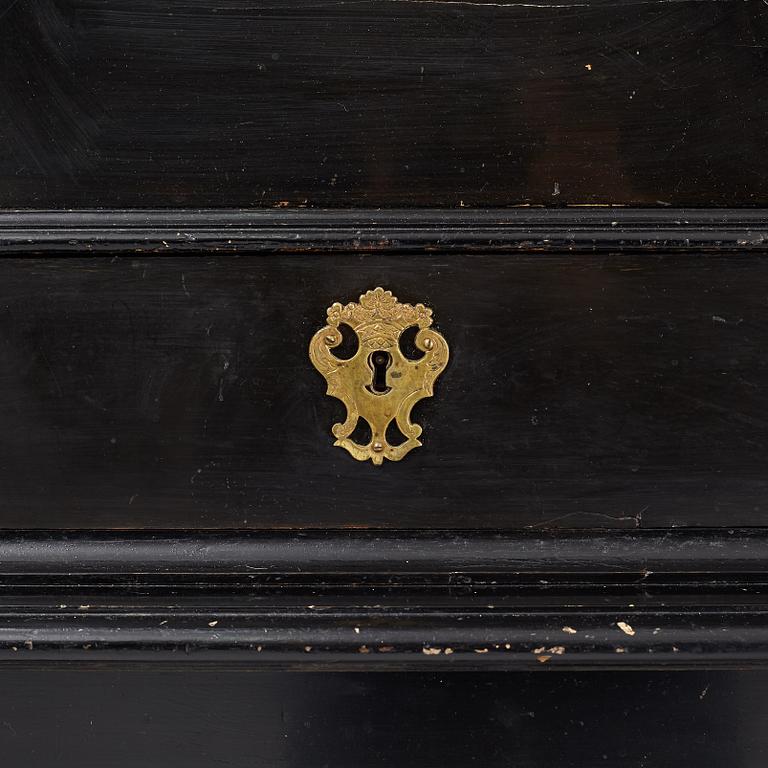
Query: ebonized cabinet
{"type": "Point", "coordinates": [571, 570]}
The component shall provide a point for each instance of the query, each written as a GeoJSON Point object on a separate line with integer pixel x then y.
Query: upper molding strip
{"type": "Point", "coordinates": [322, 553]}
{"type": "Point", "coordinates": [570, 229]}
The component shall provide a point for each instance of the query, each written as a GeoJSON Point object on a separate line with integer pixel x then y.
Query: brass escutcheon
{"type": "Point", "coordinates": [379, 383]}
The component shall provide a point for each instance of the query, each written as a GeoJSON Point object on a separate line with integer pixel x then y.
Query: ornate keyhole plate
{"type": "Point", "coordinates": [379, 383]}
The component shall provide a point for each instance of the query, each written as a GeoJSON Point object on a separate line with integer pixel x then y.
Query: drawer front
{"type": "Point", "coordinates": [126, 103]}
{"type": "Point", "coordinates": [581, 391]}
{"type": "Point", "coordinates": [574, 191]}
{"type": "Point", "coordinates": [110, 716]}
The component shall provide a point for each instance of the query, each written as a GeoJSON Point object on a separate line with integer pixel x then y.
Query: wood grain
{"type": "Point", "coordinates": [382, 103]}
{"type": "Point", "coordinates": [583, 391]}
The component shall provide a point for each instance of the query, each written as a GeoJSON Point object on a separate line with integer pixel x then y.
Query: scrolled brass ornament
{"type": "Point", "coordinates": [379, 383]}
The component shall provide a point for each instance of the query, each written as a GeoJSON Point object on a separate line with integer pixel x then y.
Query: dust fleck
{"type": "Point", "coordinates": [212, 623]}
{"type": "Point", "coordinates": [431, 651]}
{"type": "Point", "coordinates": [569, 630]}
{"type": "Point", "coordinates": [543, 659]}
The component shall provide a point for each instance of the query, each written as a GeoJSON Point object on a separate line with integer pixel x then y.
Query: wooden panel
{"type": "Point", "coordinates": [71, 718]}
{"type": "Point", "coordinates": [597, 391]}
{"type": "Point", "coordinates": [382, 103]}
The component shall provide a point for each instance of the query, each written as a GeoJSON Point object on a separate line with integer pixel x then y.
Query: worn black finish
{"type": "Point", "coordinates": [343, 600]}
{"type": "Point", "coordinates": [382, 103]}
{"type": "Point", "coordinates": [299, 615]}
{"type": "Point", "coordinates": [444, 633]}
{"type": "Point", "coordinates": [589, 391]}
{"type": "Point", "coordinates": [179, 541]}
{"type": "Point", "coordinates": [628, 555]}
{"type": "Point", "coordinates": [376, 621]}
{"type": "Point", "coordinates": [171, 717]}
{"type": "Point", "coordinates": [389, 600]}
{"type": "Point", "coordinates": [406, 230]}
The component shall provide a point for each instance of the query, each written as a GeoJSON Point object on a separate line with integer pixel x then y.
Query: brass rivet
{"type": "Point", "coordinates": [329, 339]}
{"type": "Point", "coordinates": [378, 447]}
{"type": "Point", "coordinates": [428, 343]}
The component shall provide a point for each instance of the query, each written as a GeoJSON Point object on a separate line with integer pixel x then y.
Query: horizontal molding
{"type": "Point", "coordinates": [388, 600]}
{"type": "Point", "coordinates": [737, 551]}
{"type": "Point", "coordinates": [573, 229]}
{"type": "Point", "coordinates": [387, 637]}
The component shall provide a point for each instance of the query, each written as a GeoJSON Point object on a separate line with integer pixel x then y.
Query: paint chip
{"type": "Point", "coordinates": [625, 628]}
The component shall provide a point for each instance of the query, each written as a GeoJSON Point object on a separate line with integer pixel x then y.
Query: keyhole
{"type": "Point", "coordinates": [379, 362]}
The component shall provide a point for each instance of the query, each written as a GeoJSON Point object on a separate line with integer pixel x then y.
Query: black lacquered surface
{"type": "Point", "coordinates": [382, 103]}
{"type": "Point", "coordinates": [234, 718]}
{"type": "Point", "coordinates": [583, 391]}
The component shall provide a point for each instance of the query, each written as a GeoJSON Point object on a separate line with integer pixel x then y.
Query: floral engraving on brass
{"type": "Point", "coordinates": [379, 383]}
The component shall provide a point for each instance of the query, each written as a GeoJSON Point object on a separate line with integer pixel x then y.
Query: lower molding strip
{"type": "Point", "coordinates": [388, 600]}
